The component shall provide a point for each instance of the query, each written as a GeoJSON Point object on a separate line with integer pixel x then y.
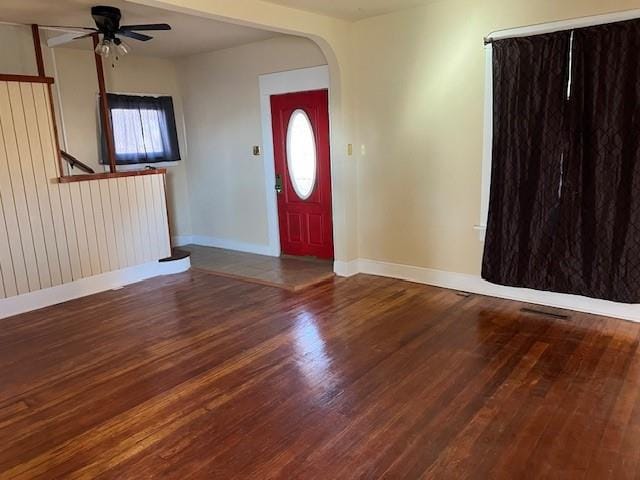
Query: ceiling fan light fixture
{"type": "Point", "coordinates": [104, 48]}
{"type": "Point", "coordinates": [121, 48]}
{"type": "Point", "coordinates": [107, 20]}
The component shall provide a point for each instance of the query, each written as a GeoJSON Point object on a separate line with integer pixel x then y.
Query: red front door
{"type": "Point", "coordinates": [303, 172]}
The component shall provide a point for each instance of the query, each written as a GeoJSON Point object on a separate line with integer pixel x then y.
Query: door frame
{"type": "Point", "coordinates": [300, 80]}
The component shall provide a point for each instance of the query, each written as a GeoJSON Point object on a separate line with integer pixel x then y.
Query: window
{"type": "Point", "coordinates": [488, 100]}
{"type": "Point", "coordinates": [301, 154]}
{"type": "Point", "coordinates": [565, 165]}
{"type": "Point", "coordinates": [144, 129]}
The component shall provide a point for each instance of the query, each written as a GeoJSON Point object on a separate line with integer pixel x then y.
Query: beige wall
{"type": "Point", "coordinates": [222, 111]}
{"type": "Point", "coordinates": [419, 111]}
{"type": "Point", "coordinates": [77, 84]}
{"type": "Point", "coordinates": [16, 51]}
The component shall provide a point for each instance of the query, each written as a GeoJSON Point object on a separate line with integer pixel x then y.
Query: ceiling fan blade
{"type": "Point", "coordinates": [148, 27]}
{"type": "Point", "coordinates": [69, 37]}
{"type": "Point", "coordinates": [134, 35]}
{"type": "Point", "coordinates": [65, 28]}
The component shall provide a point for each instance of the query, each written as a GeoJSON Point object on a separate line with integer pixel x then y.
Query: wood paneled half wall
{"type": "Point", "coordinates": [54, 233]}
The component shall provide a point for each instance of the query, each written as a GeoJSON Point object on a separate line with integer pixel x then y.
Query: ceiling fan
{"type": "Point", "coordinates": [107, 21]}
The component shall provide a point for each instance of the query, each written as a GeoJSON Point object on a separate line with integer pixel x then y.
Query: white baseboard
{"type": "Point", "coordinates": [475, 284]}
{"type": "Point", "coordinates": [346, 269]}
{"type": "Point", "coordinates": [455, 281]}
{"type": "Point", "coordinates": [181, 240]}
{"type": "Point", "coordinates": [88, 286]}
{"type": "Point", "coordinates": [224, 243]}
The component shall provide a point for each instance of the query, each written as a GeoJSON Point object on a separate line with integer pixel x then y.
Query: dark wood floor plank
{"type": "Point", "coordinates": [198, 376]}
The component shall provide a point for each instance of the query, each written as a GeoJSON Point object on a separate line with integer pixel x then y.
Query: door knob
{"type": "Point", "coordinates": [278, 183]}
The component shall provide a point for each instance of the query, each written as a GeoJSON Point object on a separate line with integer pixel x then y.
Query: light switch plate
{"type": "Point", "coordinates": [257, 151]}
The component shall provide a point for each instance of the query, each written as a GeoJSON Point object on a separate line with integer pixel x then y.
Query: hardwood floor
{"type": "Point", "coordinates": [198, 376]}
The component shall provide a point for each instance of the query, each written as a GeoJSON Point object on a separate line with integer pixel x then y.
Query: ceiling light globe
{"type": "Point", "coordinates": [122, 48]}
{"type": "Point", "coordinates": [104, 48]}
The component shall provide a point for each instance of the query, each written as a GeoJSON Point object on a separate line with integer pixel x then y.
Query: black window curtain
{"type": "Point", "coordinates": [564, 212]}
{"type": "Point", "coordinates": [144, 129]}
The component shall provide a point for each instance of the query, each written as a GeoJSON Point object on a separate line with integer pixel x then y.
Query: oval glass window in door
{"type": "Point", "coordinates": [301, 154]}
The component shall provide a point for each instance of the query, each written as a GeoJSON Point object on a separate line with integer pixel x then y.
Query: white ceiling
{"type": "Point", "coordinates": [189, 34]}
{"type": "Point", "coordinates": [351, 9]}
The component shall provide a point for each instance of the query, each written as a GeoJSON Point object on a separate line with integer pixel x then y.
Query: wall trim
{"type": "Point", "coordinates": [88, 286]}
{"type": "Point", "coordinates": [438, 278]}
{"type": "Point", "coordinates": [181, 240]}
{"type": "Point", "coordinates": [346, 269]}
{"type": "Point", "coordinates": [225, 243]}
{"type": "Point", "coordinates": [475, 284]}
{"type": "Point", "coordinates": [487, 146]}
{"type": "Point", "coordinates": [299, 80]}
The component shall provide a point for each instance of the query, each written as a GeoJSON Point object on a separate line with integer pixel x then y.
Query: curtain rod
{"type": "Point", "coordinates": [557, 26]}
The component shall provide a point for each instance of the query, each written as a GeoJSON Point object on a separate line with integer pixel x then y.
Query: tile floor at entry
{"type": "Point", "coordinates": [290, 273]}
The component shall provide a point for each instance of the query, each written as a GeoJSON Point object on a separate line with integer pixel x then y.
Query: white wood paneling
{"type": "Point", "coordinates": [144, 221]}
{"type": "Point", "coordinates": [75, 203]}
{"type": "Point", "coordinates": [8, 224]}
{"type": "Point", "coordinates": [71, 231]}
{"type": "Point", "coordinates": [135, 220]}
{"type": "Point", "coordinates": [109, 227]}
{"type": "Point", "coordinates": [55, 233]}
{"type": "Point", "coordinates": [21, 98]}
{"type": "Point", "coordinates": [119, 225]}
{"type": "Point", "coordinates": [101, 233]}
{"type": "Point", "coordinates": [22, 238]}
{"type": "Point", "coordinates": [47, 139]}
{"type": "Point", "coordinates": [7, 276]}
{"type": "Point", "coordinates": [153, 220]}
{"type": "Point", "coordinates": [33, 220]}
{"type": "Point", "coordinates": [164, 224]}
{"type": "Point", "coordinates": [40, 180]}
{"type": "Point", "coordinates": [127, 223]}
{"type": "Point", "coordinates": [90, 226]}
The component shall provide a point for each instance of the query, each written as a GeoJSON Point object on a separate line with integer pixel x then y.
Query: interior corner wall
{"type": "Point", "coordinates": [419, 96]}
{"type": "Point", "coordinates": [222, 113]}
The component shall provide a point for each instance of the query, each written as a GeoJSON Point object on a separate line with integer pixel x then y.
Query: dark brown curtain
{"type": "Point", "coordinates": [529, 90]}
{"type": "Point", "coordinates": [603, 171]}
{"type": "Point", "coordinates": [569, 220]}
